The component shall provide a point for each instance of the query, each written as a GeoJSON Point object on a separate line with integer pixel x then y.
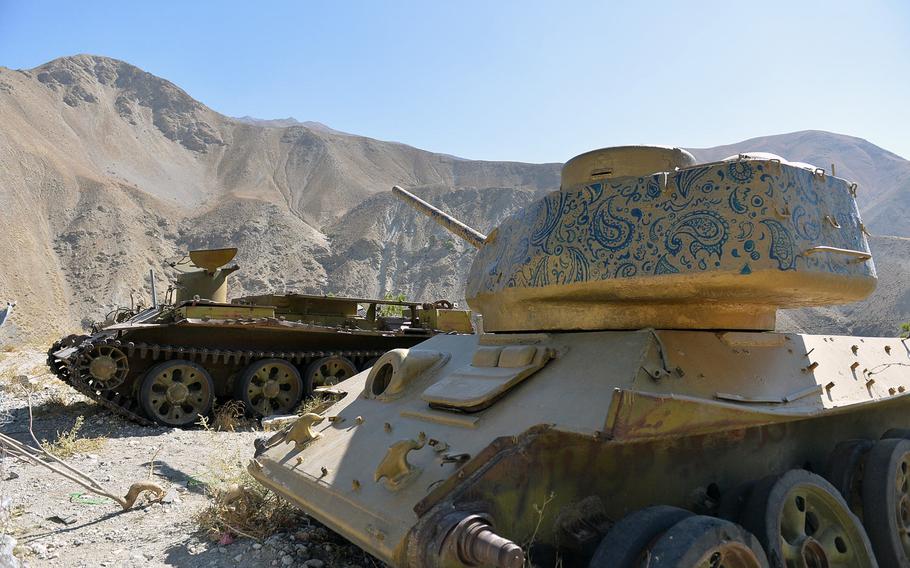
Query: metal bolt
{"type": "Point", "coordinates": [325, 471]}
{"type": "Point", "coordinates": [854, 365]}
{"type": "Point", "coordinates": [355, 485]}
{"type": "Point", "coordinates": [829, 386]}
{"type": "Point", "coordinates": [359, 420]}
{"type": "Point", "coordinates": [387, 427]}
{"type": "Point", "coordinates": [854, 348]}
{"type": "Point", "coordinates": [811, 367]}
{"type": "Point", "coordinates": [888, 349]}
{"type": "Point", "coordinates": [892, 390]}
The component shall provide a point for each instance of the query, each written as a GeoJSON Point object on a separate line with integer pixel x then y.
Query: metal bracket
{"type": "Point", "coordinates": [301, 431]}
{"type": "Point", "coordinates": [855, 255]}
{"type": "Point", "coordinates": [394, 467]}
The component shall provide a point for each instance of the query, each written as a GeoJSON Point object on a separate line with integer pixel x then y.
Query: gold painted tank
{"type": "Point", "coordinates": [627, 404]}
{"type": "Point", "coordinates": [171, 362]}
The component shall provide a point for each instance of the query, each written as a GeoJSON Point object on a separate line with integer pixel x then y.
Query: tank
{"type": "Point", "coordinates": [627, 402]}
{"type": "Point", "coordinates": [170, 363]}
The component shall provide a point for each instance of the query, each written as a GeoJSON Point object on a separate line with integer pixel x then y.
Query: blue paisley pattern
{"type": "Point", "coordinates": [741, 216]}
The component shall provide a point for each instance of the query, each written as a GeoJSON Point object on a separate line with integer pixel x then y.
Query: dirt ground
{"type": "Point", "coordinates": [57, 523]}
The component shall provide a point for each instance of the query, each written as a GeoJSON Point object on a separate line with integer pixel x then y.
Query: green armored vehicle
{"type": "Point", "coordinates": [628, 402]}
{"type": "Point", "coordinates": [169, 363]}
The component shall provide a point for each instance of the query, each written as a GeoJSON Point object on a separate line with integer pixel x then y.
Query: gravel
{"type": "Point", "coordinates": [53, 523]}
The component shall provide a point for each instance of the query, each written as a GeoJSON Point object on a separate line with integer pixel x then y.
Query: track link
{"type": "Point", "coordinates": [126, 405]}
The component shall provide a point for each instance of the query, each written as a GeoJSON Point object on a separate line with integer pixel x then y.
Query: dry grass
{"type": "Point", "coordinates": [69, 444]}
{"type": "Point", "coordinates": [316, 403]}
{"type": "Point", "coordinates": [241, 506]}
{"type": "Point", "coordinates": [238, 504]}
{"type": "Point", "coordinates": [229, 417]}
{"type": "Point", "coordinates": [57, 402]}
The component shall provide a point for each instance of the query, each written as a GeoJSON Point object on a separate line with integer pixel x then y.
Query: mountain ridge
{"type": "Point", "coordinates": [109, 169]}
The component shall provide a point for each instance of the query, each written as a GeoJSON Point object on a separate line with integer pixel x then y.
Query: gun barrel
{"type": "Point", "coordinates": [448, 222]}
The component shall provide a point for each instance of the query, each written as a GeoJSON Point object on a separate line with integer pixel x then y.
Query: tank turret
{"type": "Point", "coordinates": [641, 236]}
{"type": "Point", "coordinates": [209, 279]}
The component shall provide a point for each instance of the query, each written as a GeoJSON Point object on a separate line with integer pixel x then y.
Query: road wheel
{"type": "Point", "coordinates": [706, 542]}
{"type": "Point", "coordinates": [845, 471]}
{"type": "Point", "coordinates": [269, 387]}
{"type": "Point", "coordinates": [329, 371]}
{"type": "Point", "coordinates": [802, 521]}
{"type": "Point", "coordinates": [177, 393]}
{"type": "Point", "coordinates": [886, 501]}
{"type": "Point", "coordinates": [626, 543]}
{"type": "Point", "coordinates": [104, 367]}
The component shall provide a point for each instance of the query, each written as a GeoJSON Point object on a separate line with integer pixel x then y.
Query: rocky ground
{"type": "Point", "coordinates": [55, 522]}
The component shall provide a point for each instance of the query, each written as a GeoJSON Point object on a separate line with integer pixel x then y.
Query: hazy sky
{"type": "Point", "coordinates": [499, 80]}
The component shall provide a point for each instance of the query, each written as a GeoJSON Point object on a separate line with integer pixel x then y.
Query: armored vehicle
{"type": "Point", "coordinates": [170, 362]}
{"type": "Point", "coordinates": [627, 403]}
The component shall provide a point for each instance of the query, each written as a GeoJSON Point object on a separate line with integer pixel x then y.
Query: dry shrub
{"type": "Point", "coordinates": [229, 417]}
{"type": "Point", "coordinates": [57, 402]}
{"type": "Point", "coordinates": [317, 403]}
{"type": "Point", "coordinates": [69, 443]}
{"type": "Point", "coordinates": [243, 507]}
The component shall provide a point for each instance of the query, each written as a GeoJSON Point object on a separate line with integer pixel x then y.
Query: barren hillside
{"type": "Point", "coordinates": [106, 170]}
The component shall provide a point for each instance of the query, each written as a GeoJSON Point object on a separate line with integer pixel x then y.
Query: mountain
{"type": "Point", "coordinates": [107, 170]}
{"type": "Point", "coordinates": [289, 121]}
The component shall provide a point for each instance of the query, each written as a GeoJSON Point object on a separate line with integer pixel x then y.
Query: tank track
{"type": "Point", "coordinates": [124, 404]}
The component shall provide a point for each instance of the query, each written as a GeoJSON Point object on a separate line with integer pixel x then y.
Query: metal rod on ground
{"type": "Point", "coordinates": [60, 467]}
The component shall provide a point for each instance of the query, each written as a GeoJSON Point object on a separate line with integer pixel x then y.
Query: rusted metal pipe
{"type": "Point", "coordinates": [453, 225]}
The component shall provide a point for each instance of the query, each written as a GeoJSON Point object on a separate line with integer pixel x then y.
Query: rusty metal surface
{"type": "Point", "coordinates": [616, 430]}
{"type": "Point", "coordinates": [576, 410]}
{"type": "Point", "coordinates": [198, 325]}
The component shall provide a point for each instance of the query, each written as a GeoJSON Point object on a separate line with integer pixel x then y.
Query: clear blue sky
{"type": "Point", "coordinates": [516, 80]}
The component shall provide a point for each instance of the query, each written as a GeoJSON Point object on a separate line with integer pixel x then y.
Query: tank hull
{"type": "Point", "coordinates": [598, 418]}
{"type": "Point", "coordinates": [224, 348]}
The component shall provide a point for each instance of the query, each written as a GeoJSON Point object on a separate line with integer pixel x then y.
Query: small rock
{"type": "Point", "coordinates": [7, 544]}
{"type": "Point", "coordinates": [238, 558]}
{"type": "Point", "coordinates": [314, 563]}
{"type": "Point", "coordinates": [170, 496]}
{"type": "Point", "coordinates": [287, 560]}
{"type": "Point", "coordinates": [256, 546]}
